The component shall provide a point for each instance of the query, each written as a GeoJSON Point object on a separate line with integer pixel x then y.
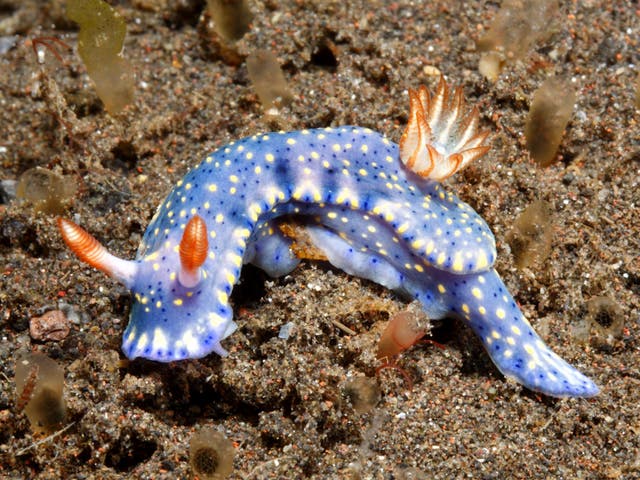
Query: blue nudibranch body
{"type": "Point", "coordinates": [376, 209]}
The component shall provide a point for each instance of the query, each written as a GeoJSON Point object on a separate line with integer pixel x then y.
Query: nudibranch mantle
{"type": "Point", "coordinates": [376, 209]}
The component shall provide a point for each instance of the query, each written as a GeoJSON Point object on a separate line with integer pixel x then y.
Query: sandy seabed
{"type": "Point", "coordinates": [283, 402]}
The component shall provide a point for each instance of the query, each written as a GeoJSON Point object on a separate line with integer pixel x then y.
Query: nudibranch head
{"type": "Point", "coordinates": [169, 318]}
{"type": "Point", "coordinates": [440, 139]}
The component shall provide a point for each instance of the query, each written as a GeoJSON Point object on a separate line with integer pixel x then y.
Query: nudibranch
{"type": "Point", "coordinates": [374, 208]}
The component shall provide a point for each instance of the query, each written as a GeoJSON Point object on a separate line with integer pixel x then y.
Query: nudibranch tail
{"type": "Point", "coordinates": [90, 251]}
{"type": "Point", "coordinates": [439, 139]}
{"type": "Point", "coordinates": [516, 349]}
{"type": "Point", "coordinates": [193, 251]}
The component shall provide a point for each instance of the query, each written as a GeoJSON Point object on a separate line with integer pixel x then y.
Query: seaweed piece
{"type": "Point", "coordinates": [211, 454]}
{"type": "Point", "coordinates": [268, 80]}
{"type": "Point", "coordinates": [518, 25]}
{"type": "Point", "coordinates": [39, 390]}
{"type": "Point", "coordinates": [231, 18]}
{"type": "Point", "coordinates": [549, 115]}
{"type": "Point", "coordinates": [47, 191]}
{"type": "Point", "coordinates": [100, 42]}
{"type": "Point", "coordinates": [531, 235]}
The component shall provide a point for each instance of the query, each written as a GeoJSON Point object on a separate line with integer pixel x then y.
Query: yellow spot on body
{"type": "Point", "coordinates": [508, 353]}
{"type": "Point", "coordinates": [158, 304]}
{"type": "Point", "coordinates": [441, 258]}
{"type": "Point", "coordinates": [511, 341]}
{"type": "Point", "coordinates": [482, 310]}
{"type": "Point", "coordinates": [482, 261]}
{"type": "Point", "coordinates": [151, 256]}
{"type": "Point", "coordinates": [231, 278]}
{"type": "Point", "coordinates": [315, 155]}
{"type": "Point", "coordinates": [159, 341]}
{"type": "Point", "coordinates": [172, 276]}
{"type": "Point", "coordinates": [403, 228]}
{"type": "Point", "coordinates": [269, 157]}
{"type": "Point", "coordinates": [156, 266]}
{"type": "Point", "coordinates": [249, 156]}
{"type": "Point", "coordinates": [183, 213]}
{"type": "Point", "coordinates": [529, 349]}
{"type": "Point", "coordinates": [332, 215]}
{"type": "Point", "coordinates": [291, 141]}
{"type": "Point", "coordinates": [212, 187]}
{"type": "Point", "coordinates": [236, 259]}
{"type": "Point", "coordinates": [475, 291]}
{"type": "Point", "coordinates": [441, 288]}
{"type": "Point", "coordinates": [142, 341]}
{"type": "Point", "coordinates": [419, 268]}
{"type": "Point", "coordinates": [179, 183]}
{"type": "Point", "coordinates": [500, 313]}
{"type": "Point", "coordinates": [515, 330]}
{"type": "Point", "coordinates": [215, 320]}
{"type": "Point", "coordinates": [430, 247]}
{"type": "Point", "coordinates": [258, 169]}
{"type": "Point", "coordinates": [233, 178]}
{"type": "Point", "coordinates": [177, 302]}
{"type": "Point", "coordinates": [457, 263]}
{"type": "Point", "coordinates": [465, 308]}
{"type": "Point", "coordinates": [495, 334]}
{"type": "Point", "coordinates": [371, 228]}
{"type": "Point", "coordinates": [219, 218]}
{"type": "Point", "coordinates": [336, 147]}
{"type": "Point", "coordinates": [223, 298]}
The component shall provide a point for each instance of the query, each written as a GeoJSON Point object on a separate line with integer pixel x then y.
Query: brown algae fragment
{"type": "Point", "coordinates": [211, 454]}
{"type": "Point", "coordinates": [518, 25]}
{"type": "Point", "coordinates": [47, 191]}
{"type": "Point", "coordinates": [231, 18]}
{"type": "Point", "coordinates": [549, 115]}
{"type": "Point", "coordinates": [606, 320]}
{"type": "Point", "coordinates": [39, 389]}
{"type": "Point", "coordinates": [268, 80]}
{"type": "Point", "coordinates": [531, 235]}
{"type": "Point", "coordinates": [363, 392]}
{"type": "Point", "coordinates": [100, 41]}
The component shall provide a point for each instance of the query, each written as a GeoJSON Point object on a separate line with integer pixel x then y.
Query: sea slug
{"type": "Point", "coordinates": [376, 209]}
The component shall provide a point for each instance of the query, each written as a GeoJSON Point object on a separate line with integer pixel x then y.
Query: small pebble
{"type": "Point", "coordinates": [52, 326]}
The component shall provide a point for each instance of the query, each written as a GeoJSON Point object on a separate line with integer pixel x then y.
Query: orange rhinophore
{"type": "Point", "coordinates": [91, 251]}
{"type": "Point", "coordinates": [193, 251]}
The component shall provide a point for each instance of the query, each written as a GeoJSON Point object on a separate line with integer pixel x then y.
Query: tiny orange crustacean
{"type": "Point", "coordinates": [402, 332]}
